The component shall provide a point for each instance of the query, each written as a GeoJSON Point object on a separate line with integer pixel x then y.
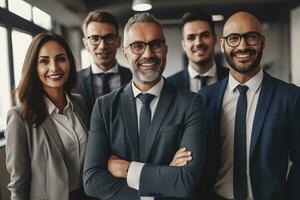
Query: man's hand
{"type": "Point", "coordinates": [181, 158]}
{"type": "Point", "coordinates": [118, 167]}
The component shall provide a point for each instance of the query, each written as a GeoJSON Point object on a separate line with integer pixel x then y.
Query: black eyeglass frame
{"type": "Point", "coordinates": [105, 39]}
{"type": "Point", "coordinates": [162, 41]}
{"type": "Point", "coordinates": [244, 35]}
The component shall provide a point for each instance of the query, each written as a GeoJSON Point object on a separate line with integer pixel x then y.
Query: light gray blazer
{"type": "Point", "coordinates": [35, 156]}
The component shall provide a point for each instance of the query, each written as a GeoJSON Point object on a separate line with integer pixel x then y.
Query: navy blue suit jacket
{"type": "Point", "coordinates": [85, 84]}
{"type": "Point", "coordinates": [179, 121]}
{"type": "Point", "coordinates": [275, 139]}
{"type": "Point", "coordinates": [181, 78]}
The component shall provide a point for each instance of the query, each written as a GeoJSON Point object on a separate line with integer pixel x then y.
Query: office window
{"type": "Point", "coordinates": [20, 44]}
{"type": "Point", "coordinates": [21, 8]}
{"type": "Point", "coordinates": [2, 4]}
{"type": "Point", "coordinates": [41, 18]}
{"type": "Point", "coordinates": [5, 100]}
{"type": "Point", "coordinates": [85, 59]}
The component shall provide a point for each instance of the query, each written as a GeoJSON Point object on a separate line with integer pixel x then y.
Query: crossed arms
{"type": "Point", "coordinates": [104, 174]}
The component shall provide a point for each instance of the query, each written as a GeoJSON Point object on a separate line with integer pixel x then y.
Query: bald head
{"type": "Point", "coordinates": [242, 22]}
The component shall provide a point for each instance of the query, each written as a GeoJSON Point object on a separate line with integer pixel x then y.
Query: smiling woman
{"type": "Point", "coordinates": [47, 131]}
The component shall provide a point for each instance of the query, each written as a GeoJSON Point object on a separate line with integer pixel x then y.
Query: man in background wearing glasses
{"type": "Point", "coordinates": [101, 39]}
{"type": "Point", "coordinates": [253, 121]}
{"type": "Point", "coordinates": [142, 135]}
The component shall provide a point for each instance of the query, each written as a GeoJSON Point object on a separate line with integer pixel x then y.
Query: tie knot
{"type": "Point", "coordinates": [105, 76]}
{"type": "Point", "coordinates": [242, 89]}
{"type": "Point", "coordinates": [146, 98]}
{"type": "Point", "coordinates": [203, 80]}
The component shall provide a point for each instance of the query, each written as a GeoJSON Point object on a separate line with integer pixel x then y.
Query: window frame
{"type": "Point", "coordinates": [11, 21]}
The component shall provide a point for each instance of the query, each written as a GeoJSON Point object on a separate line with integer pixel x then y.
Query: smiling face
{"type": "Point", "coordinates": [244, 59]}
{"type": "Point", "coordinates": [198, 42]}
{"type": "Point", "coordinates": [147, 68]}
{"type": "Point", "coordinates": [103, 54]}
{"type": "Point", "coordinates": [53, 67]}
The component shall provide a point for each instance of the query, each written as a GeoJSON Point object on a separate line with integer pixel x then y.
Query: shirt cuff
{"type": "Point", "coordinates": [134, 174]}
{"type": "Point", "coordinates": [147, 198]}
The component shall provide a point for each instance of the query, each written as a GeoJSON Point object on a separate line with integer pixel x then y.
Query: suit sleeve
{"type": "Point", "coordinates": [294, 144]}
{"type": "Point", "coordinates": [17, 157]}
{"type": "Point", "coordinates": [168, 181]}
{"type": "Point", "coordinates": [98, 182]}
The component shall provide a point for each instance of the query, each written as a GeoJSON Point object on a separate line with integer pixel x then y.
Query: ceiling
{"type": "Point", "coordinates": [72, 12]}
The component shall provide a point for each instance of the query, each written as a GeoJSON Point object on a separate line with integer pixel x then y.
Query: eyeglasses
{"type": "Point", "coordinates": [139, 47]}
{"type": "Point", "coordinates": [251, 38]}
{"type": "Point", "coordinates": [108, 39]}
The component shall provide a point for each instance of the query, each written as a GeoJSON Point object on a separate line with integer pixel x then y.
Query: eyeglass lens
{"type": "Point", "coordinates": [139, 47]}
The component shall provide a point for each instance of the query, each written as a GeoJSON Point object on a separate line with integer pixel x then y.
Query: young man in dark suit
{"type": "Point", "coordinates": [253, 123]}
{"type": "Point", "coordinates": [198, 42]}
{"type": "Point", "coordinates": [136, 131]}
{"type": "Point", "coordinates": [101, 39]}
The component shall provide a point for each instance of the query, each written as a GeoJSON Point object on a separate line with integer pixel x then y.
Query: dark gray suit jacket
{"type": "Point", "coordinates": [179, 121]}
{"type": "Point", "coordinates": [85, 84]}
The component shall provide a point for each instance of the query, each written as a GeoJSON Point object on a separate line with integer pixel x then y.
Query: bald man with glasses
{"type": "Point", "coordinates": [101, 39]}
{"type": "Point", "coordinates": [142, 135]}
{"type": "Point", "coordinates": [253, 123]}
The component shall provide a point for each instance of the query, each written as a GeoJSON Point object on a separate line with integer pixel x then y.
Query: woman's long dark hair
{"type": "Point", "coordinates": [29, 92]}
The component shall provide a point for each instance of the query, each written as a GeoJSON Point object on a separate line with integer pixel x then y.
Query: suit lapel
{"type": "Point", "coordinates": [218, 101]}
{"type": "Point", "coordinates": [216, 110]}
{"type": "Point", "coordinates": [124, 76]}
{"type": "Point", "coordinates": [186, 80]}
{"type": "Point", "coordinates": [80, 114]}
{"type": "Point", "coordinates": [222, 72]}
{"type": "Point", "coordinates": [88, 86]}
{"type": "Point", "coordinates": [53, 137]}
{"type": "Point", "coordinates": [166, 97]}
{"type": "Point", "coordinates": [263, 104]}
{"type": "Point", "coordinates": [130, 119]}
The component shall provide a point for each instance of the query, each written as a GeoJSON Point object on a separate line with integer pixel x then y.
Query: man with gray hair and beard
{"type": "Point", "coordinates": [142, 135]}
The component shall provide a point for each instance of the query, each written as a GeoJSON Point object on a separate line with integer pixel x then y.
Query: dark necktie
{"type": "Point", "coordinates": [145, 121]}
{"type": "Point", "coordinates": [203, 80]}
{"type": "Point", "coordinates": [105, 85]}
{"type": "Point", "coordinates": [240, 187]}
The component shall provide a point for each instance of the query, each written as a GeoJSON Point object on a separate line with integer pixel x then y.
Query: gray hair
{"type": "Point", "coordinates": [143, 17]}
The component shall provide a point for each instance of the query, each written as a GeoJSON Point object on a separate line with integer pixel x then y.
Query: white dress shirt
{"type": "Point", "coordinates": [74, 138]}
{"type": "Point", "coordinates": [135, 168]}
{"type": "Point", "coordinates": [195, 83]}
{"type": "Point", "coordinates": [114, 82]}
{"type": "Point", "coordinates": [224, 183]}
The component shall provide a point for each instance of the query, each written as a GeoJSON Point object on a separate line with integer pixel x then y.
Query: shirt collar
{"type": "Point", "coordinates": [98, 70]}
{"type": "Point", "coordinates": [155, 90]}
{"type": "Point", "coordinates": [253, 84]}
{"type": "Point", "coordinates": [212, 72]}
{"type": "Point", "coordinates": [52, 108]}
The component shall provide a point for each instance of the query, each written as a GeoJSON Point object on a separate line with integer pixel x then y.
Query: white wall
{"type": "Point", "coordinates": [295, 49]}
{"type": "Point", "coordinates": [74, 39]}
{"type": "Point", "coordinates": [277, 50]}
